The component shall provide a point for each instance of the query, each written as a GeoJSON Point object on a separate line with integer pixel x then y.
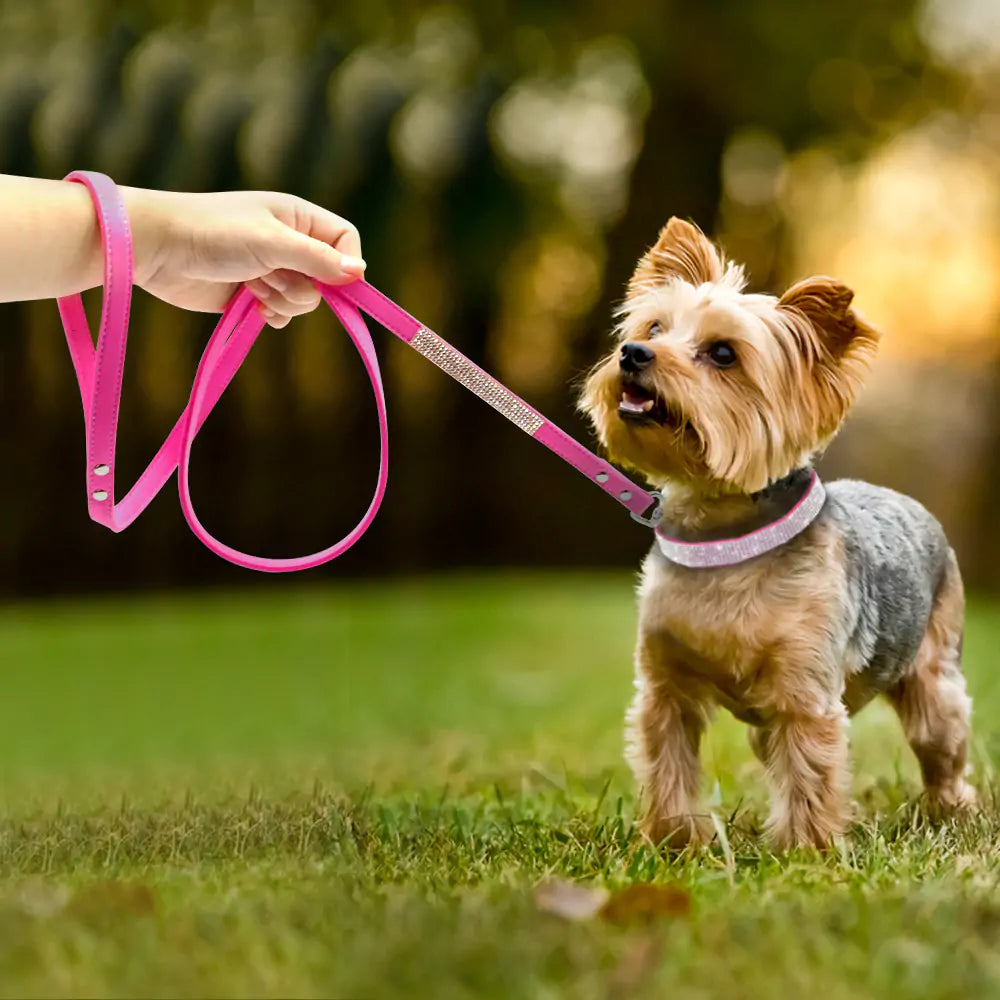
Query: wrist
{"type": "Point", "coordinates": [149, 224]}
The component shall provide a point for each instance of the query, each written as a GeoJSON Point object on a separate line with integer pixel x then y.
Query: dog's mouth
{"type": "Point", "coordinates": [640, 405]}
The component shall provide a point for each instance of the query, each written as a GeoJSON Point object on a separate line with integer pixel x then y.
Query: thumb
{"type": "Point", "coordinates": [314, 258]}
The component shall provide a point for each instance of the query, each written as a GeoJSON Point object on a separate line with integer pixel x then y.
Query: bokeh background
{"type": "Point", "coordinates": [347, 784]}
{"type": "Point", "coordinates": [506, 163]}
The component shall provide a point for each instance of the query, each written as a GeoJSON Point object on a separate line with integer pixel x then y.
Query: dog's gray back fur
{"type": "Point", "coordinates": [896, 555]}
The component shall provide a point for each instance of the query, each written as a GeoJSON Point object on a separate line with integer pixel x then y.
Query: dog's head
{"type": "Point", "coordinates": [711, 384]}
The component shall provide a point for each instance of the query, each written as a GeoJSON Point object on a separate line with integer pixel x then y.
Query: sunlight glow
{"type": "Point", "coordinates": [914, 232]}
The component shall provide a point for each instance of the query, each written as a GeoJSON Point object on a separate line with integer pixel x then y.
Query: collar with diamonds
{"type": "Point", "coordinates": [730, 551]}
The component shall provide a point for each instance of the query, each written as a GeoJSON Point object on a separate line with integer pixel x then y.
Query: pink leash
{"type": "Point", "coordinates": [99, 373]}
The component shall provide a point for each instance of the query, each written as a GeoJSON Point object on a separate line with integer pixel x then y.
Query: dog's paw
{"type": "Point", "coordinates": [955, 798]}
{"type": "Point", "coordinates": [675, 833]}
{"type": "Point", "coordinates": [786, 833]}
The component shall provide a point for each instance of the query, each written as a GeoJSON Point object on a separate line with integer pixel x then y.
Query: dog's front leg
{"type": "Point", "coordinates": [807, 764]}
{"type": "Point", "coordinates": [664, 735]}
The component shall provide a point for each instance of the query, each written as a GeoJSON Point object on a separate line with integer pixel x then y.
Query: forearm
{"type": "Point", "coordinates": [49, 238]}
{"type": "Point", "coordinates": [191, 250]}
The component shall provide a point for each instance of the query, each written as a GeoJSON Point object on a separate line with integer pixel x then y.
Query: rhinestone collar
{"type": "Point", "coordinates": [730, 551]}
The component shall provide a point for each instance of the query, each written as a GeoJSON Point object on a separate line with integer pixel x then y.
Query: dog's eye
{"type": "Point", "coordinates": [655, 330]}
{"type": "Point", "coordinates": [721, 354]}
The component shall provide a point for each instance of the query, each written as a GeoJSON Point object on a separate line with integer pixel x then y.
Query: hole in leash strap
{"type": "Point", "coordinates": [101, 470]}
{"type": "Point", "coordinates": [625, 495]}
{"type": "Point", "coordinates": [100, 494]}
{"type": "Point", "coordinates": [602, 477]}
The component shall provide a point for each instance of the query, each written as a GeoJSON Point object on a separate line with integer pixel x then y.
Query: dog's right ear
{"type": "Point", "coordinates": [682, 251]}
{"type": "Point", "coordinates": [826, 304]}
{"type": "Point", "coordinates": [841, 344]}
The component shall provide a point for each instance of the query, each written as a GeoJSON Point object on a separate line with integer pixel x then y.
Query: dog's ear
{"type": "Point", "coordinates": [826, 304]}
{"type": "Point", "coordinates": [841, 346]}
{"type": "Point", "coordinates": [682, 251]}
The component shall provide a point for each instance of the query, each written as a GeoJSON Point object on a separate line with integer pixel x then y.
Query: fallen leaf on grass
{"type": "Point", "coordinates": [634, 904]}
{"type": "Point", "coordinates": [645, 903]}
{"type": "Point", "coordinates": [109, 897]}
{"type": "Point", "coordinates": [568, 900]}
{"type": "Point", "coordinates": [40, 898]}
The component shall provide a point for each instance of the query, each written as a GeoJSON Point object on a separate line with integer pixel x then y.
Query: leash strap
{"type": "Point", "coordinates": [99, 373]}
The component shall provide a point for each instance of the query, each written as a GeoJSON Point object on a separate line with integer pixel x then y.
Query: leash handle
{"type": "Point", "coordinates": [99, 372]}
{"type": "Point", "coordinates": [99, 375]}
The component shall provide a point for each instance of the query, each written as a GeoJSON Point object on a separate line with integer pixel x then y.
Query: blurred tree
{"type": "Point", "coordinates": [852, 71]}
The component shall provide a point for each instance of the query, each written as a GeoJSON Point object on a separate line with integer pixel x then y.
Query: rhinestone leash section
{"type": "Point", "coordinates": [99, 373]}
{"type": "Point", "coordinates": [487, 388]}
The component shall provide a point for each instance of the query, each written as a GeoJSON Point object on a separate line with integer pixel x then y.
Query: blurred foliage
{"type": "Point", "coordinates": [505, 163]}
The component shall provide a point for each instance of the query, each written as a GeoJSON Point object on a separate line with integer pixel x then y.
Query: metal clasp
{"type": "Point", "coordinates": [652, 516]}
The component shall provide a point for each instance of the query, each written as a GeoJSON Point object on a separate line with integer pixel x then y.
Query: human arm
{"type": "Point", "coordinates": [192, 250]}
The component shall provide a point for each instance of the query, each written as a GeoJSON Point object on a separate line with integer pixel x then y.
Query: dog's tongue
{"type": "Point", "coordinates": [635, 402]}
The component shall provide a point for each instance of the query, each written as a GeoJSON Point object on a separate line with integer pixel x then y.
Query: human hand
{"type": "Point", "coordinates": [194, 250]}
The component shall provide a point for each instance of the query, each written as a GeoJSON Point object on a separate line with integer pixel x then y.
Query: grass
{"type": "Point", "coordinates": [353, 791]}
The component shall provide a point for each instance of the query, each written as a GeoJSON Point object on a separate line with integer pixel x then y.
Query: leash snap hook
{"type": "Point", "coordinates": [651, 518]}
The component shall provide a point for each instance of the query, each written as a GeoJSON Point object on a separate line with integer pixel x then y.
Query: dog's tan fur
{"type": "Point", "coordinates": [747, 638]}
{"type": "Point", "coordinates": [808, 349]}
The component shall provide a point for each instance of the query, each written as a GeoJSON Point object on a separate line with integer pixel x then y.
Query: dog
{"type": "Point", "coordinates": [722, 399]}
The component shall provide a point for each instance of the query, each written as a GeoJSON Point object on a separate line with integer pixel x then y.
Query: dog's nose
{"type": "Point", "coordinates": [635, 357]}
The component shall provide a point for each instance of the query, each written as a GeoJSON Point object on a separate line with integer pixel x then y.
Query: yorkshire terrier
{"type": "Point", "coordinates": [722, 399]}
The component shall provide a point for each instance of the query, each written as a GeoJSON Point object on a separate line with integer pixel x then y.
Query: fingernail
{"type": "Point", "coordinates": [267, 313]}
{"type": "Point", "coordinates": [352, 263]}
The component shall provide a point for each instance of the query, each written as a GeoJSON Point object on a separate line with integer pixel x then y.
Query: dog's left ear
{"type": "Point", "coordinates": [826, 304]}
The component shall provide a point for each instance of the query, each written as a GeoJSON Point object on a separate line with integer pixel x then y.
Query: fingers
{"type": "Point", "coordinates": [329, 228]}
{"type": "Point", "coordinates": [316, 242]}
{"type": "Point", "coordinates": [284, 294]}
{"type": "Point", "coordinates": [317, 222]}
{"type": "Point", "coordinates": [295, 251]}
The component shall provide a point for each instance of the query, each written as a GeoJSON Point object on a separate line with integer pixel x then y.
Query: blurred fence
{"type": "Point", "coordinates": [505, 163]}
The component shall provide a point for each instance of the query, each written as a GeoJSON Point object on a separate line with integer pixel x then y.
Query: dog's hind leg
{"type": "Point", "coordinates": [932, 703]}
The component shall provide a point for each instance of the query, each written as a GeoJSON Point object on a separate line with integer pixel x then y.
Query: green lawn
{"type": "Point", "coordinates": [354, 791]}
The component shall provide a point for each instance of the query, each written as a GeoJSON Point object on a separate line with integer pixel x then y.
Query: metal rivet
{"type": "Point", "coordinates": [625, 495]}
{"type": "Point", "coordinates": [101, 470]}
{"type": "Point", "coordinates": [100, 494]}
{"type": "Point", "coordinates": [602, 477]}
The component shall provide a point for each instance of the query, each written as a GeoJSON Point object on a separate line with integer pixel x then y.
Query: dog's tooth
{"type": "Point", "coordinates": [645, 406]}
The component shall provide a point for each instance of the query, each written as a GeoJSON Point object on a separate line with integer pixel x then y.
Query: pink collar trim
{"type": "Point", "coordinates": [730, 551]}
